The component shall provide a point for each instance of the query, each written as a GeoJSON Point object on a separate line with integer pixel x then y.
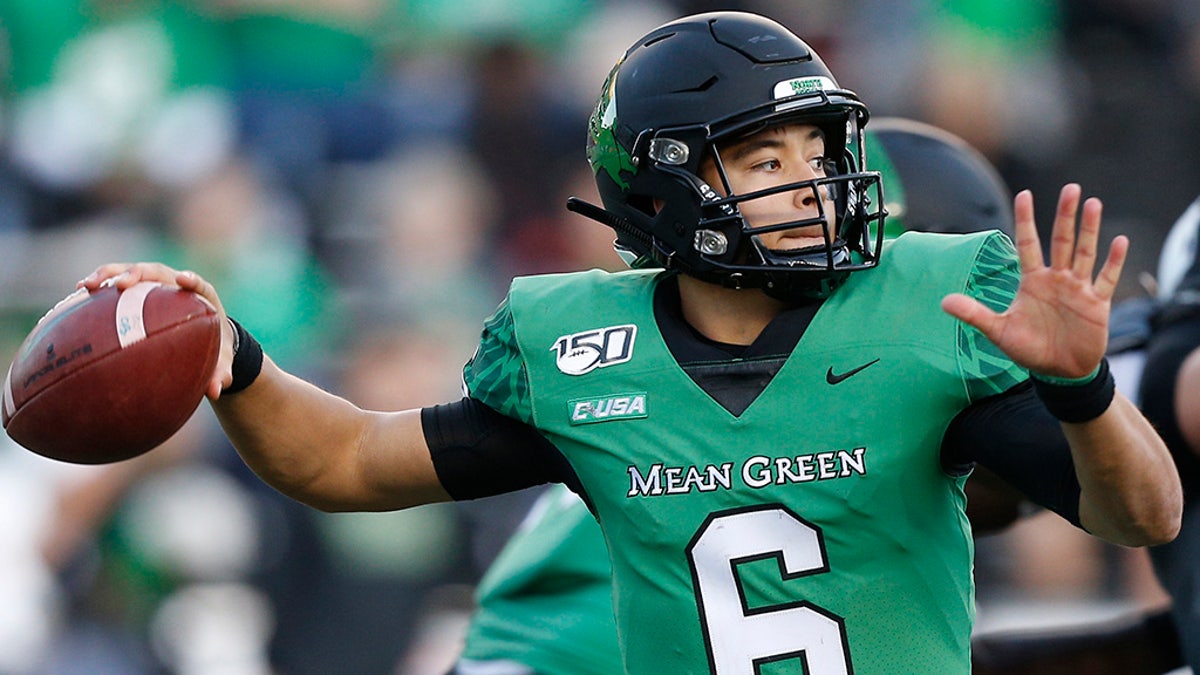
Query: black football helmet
{"type": "Point", "coordinates": [936, 181]}
{"type": "Point", "coordinates": [666, 108]}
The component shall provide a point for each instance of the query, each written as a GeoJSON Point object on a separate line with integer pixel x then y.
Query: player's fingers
{"type": "Point", "coordinates": [190, 281]}
{"type": "Point", "coordinates": [146, 271]}
{"type": "Point", "coordinates": [1087, 241]}
{"type": "Point", "coordinates": [101, 274]}
{"type": "Point", "coordinates": [1062, 237]}
{"type": "Point", "coordinates": [134, 275]}
{"type": "Point", "coordinates": [1029, 247]}
{"type": "Point", "coordinates": [217, 384]}
{"type": "Point", "coordinates": [971, 311]}
{"type": "Point", "coordinates": [222, 375]}
{"type": "Point", "coordinates": [121, 275]}
{"type": "Point", "coordinates": [154, 271]}
{"type": "Point", "coordinates": [1110, 275]}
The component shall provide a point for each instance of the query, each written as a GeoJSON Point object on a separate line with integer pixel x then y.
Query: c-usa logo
{"type": "Point", "coordinates": [584, 352]}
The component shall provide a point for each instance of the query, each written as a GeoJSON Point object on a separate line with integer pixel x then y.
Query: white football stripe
{"type": "Point", "coordinates": [9, 407]}
{"type": "Point", "coordinates": [131, 325]}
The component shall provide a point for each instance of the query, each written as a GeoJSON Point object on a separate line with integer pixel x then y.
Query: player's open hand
{"type": "Point", "coordinates": [125, 275]}
{"type": "Point", "coordinates": [1058, 323]}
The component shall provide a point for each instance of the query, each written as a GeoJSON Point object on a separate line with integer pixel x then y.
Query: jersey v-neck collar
{"type": "Point", "coordinates": [733, 375]}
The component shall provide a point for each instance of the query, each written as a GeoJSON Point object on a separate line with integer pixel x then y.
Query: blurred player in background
{"type": "Point", "coordinates": [726, 152]}
{"type": "Point", "coordinates": [1170, 397]}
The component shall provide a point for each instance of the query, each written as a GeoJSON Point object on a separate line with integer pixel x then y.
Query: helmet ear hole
{"type": "Point", "coordinates": [649, 206]}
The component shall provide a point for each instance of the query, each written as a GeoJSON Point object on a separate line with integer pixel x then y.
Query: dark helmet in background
{"type": "Point", "coordinates": [666, 108]}
{"type": "Point", "coordinates": [936, 181]}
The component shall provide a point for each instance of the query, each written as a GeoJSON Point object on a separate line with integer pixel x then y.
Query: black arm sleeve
{"type": "Point", "coordinates": [477, 452]}
{"type": "Point", "coordinates": [1014, 436]}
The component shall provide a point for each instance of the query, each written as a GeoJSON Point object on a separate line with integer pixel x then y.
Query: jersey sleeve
{"type": "Point", "coordinates": [993, 281]}
{"type": "Point", "coordinates": [487, 443]}
{"type": "Point", "coordinates": [496, 374]}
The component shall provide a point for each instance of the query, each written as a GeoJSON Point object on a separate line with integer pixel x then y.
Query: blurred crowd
{"type": "Point", "coordinates": [361, 178]}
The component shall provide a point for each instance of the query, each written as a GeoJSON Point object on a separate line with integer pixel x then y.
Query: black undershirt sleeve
{"type": "Point", "coordinates": [477, 452]}
{"type": "Point", "coordinates": [1014, 436]}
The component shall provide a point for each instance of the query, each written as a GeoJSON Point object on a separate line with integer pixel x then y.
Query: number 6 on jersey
{"type": "Point", "coordinates": [741, 639]}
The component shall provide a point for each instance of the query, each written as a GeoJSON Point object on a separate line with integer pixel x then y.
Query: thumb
{"type": "Point", "coordinates": [970, 311]}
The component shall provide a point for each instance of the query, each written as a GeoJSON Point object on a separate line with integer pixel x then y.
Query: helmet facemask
{"type": "Point", "coordinates": [727, 244]}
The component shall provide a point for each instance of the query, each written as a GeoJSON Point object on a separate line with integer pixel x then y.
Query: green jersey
{"type": "Point", "coordinates": [546, 601]}
{"type": "Point", "coordinates": [815, 532]}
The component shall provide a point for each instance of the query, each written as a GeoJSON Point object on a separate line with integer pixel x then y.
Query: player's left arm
{"type": "Point", "coordinates": [1130, 490]}
{"type": "Point", "coordinates": [1057, 328]}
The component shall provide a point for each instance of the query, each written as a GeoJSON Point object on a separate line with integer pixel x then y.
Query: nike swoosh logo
{"type": "Point", "coordinates": [832, 378]}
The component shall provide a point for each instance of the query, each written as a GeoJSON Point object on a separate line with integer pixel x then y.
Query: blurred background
{"type": "Point", "coordinates": [361, 178]}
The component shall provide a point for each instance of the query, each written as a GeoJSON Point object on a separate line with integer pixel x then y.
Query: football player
{"type": "Point", "coordinates": [772, 421]}
{"type": "Point", "coordinates": [1170, 397]}
{"type": "Point", "coordinates": [544, 606]}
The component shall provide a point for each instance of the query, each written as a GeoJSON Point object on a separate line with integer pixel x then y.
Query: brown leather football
{"type": "Point", "coordinates": [108, 375]}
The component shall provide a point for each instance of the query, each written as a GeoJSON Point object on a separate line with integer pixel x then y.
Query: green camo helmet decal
{"type": "Point", "coordinates": [604, 152]}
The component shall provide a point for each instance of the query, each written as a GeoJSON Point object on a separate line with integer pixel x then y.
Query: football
{"type": "Point", "coordinates": [579, 360]}
{"type": "Point", "coordinates": [108, 375]}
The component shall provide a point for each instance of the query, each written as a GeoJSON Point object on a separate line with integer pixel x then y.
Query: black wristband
{"type": "Point", "coordinates": [1077, 403]}
{"type": "Point", "coordinates": [247, 359]}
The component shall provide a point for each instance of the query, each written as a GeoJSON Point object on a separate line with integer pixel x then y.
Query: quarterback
{"type": "Point", "coordinates": [763, 318]}
{"type": "Point", "coordinates": [544, 606]}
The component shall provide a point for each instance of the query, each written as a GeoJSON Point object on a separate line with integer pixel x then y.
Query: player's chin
{"type": "Point", "coordinates": [792, 246]}
{"type": "Point", "coordinates": [798, 240]}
